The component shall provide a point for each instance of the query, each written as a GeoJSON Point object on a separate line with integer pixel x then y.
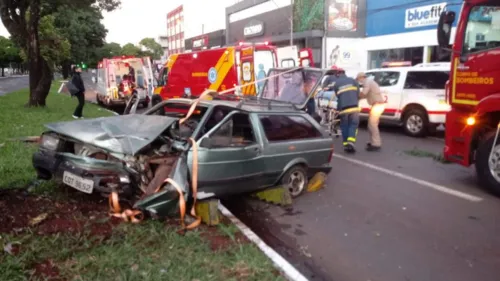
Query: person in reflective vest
{"type": "Point", "coordinates": [347, 92]}
{"type": "Point", "coordinates": [126, 85]}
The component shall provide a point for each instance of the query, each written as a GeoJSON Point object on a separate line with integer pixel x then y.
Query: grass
{"type": "Point", "coordinates": [147, 252]}
{"type": "Point", "coordinates": [152, 250]}
{"type": "Point", "coordinates": [415, 152]}
{"type": "Point", "coordinates": [19, 121]}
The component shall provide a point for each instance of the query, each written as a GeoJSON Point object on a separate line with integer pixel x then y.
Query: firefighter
{"type": "Point", "coordinates": [347, 92]}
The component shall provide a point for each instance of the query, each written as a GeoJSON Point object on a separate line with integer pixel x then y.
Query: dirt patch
{"type": "Point", "coordinates": [46, 270]}
{"type": "Point", "coordinates": [20, 211]}
{"type": "Point", "coordinates": [220, 242]}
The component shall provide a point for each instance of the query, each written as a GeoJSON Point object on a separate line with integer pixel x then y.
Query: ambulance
{"type": "Point", "coordinates": [219, 69]}
{"type": "Point", "coordinates": [110, 73]}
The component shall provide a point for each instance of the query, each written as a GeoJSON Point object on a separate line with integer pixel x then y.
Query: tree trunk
{"type": "Point", "coordinates": [66, 69]}
{"type": "Point", "coordinates": [40, 73]}
{"type": "Point", "coordinates": [3, 71]}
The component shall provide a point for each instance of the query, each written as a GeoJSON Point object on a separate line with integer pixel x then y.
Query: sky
{"type": "Point", "coordinates": [149, 19]}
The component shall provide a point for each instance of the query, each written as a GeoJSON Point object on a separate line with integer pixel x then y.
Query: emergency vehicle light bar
{"type": "Point", "coordinates": [396, 64]}
{"type": "Point", "coordinates": [250, 43]}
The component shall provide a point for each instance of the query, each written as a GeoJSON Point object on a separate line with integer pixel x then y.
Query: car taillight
{"type": "Point", "coordinates": [331, 155]}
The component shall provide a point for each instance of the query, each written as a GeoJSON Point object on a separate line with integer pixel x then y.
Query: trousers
{"type": "Point", "coordinates": [373, 121]}
{"type": "Point", "coordinates": [81, 102]}
{"type": "Point", "coordinates": [349, 123]}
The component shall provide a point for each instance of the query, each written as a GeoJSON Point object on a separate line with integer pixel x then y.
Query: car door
{"type": "Point", "coordinates": [226, 165]}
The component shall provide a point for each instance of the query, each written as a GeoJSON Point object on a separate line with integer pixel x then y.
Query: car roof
{"type": "Point", "coordinates": [250, 105]}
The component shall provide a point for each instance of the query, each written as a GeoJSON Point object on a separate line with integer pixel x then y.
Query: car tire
{"type": "Point", "coordinates": [484, 175]}
{"type": "Point", "coordinates": [295, 180]}
{"type": "Point", "coordinates": [416, 123]}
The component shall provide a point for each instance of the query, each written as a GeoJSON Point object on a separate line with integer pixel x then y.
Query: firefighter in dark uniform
{"type": "Point", "coordinates": [347, 92]}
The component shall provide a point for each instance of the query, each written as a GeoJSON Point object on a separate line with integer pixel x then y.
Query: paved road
{"type": "Point", "coordinates": [376, 221]}
{"type": "Point", "coordinates": [11, 84]}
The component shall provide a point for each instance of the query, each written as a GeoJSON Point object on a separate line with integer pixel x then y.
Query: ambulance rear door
{"type": "Point", "coordinates": [148, 74]}
{"type": "Point", "coordinates": [247, 71]}
{"type": "Point", "coordinates": [288, 56]}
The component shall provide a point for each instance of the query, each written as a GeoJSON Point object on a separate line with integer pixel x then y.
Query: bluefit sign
{"type": "Point", "coordinates": [424, 15]}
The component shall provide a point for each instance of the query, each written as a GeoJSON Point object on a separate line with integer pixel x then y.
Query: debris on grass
{"type": "Point", "coordinates": [416, 152]}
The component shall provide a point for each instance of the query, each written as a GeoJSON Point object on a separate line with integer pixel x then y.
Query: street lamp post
{"type": "Point", "coordinates": [291, 24]}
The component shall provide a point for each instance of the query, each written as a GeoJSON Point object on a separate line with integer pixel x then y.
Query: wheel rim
{"type": "Point", "coordinates": [494, 163]}
{"type": "Point", "coordinates": [414, 124]}
{"type": "Point", "coordinates": [296, 183]}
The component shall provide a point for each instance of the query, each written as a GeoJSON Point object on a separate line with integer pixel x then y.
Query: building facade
{"type": "Point", "coordinates": [405, 30]}
{"type": "Point", "coordinates": [164, 42]}
{"type": "Point", "coordinates": [277, 22]}
{"type": "Point", "coordinates": [175, 30]}
{"type": "Point", "coordinates": [209, 40]}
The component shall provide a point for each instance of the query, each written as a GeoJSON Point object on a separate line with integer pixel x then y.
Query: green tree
{"type": "Point", "coordinates": [110, 50]}
{"type": "Point", "coordinates": [84, 30]}
{"type": "Point", "coordinates": [152, 48]}
{"type": "Point", "coordinates": [9, 53]}
{"type": "Point", "coordinates": [130, 49]}
{"type": "Point", "coordinates": [23, 21]}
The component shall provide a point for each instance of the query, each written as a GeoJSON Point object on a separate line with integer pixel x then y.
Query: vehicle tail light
{"type": "Point", "coordinates": [331, 154]}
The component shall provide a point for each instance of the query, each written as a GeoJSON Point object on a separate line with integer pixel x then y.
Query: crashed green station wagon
{"type": "Point", "coordinates": [244, 145]}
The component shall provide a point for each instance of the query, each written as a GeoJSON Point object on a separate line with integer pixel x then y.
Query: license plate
{"type": "Point", "coordinates": [78, 183]}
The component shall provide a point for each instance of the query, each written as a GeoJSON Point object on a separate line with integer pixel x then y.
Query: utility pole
{"type": "Point", "coordinates": [291, 24]}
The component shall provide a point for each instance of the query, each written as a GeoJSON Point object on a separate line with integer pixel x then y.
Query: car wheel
{"type": "Point", "coordinates": [488, 172]}
{"type": "Point", "coordinates": [416, 123]}
{"type": "Point", "coordinates": [295, 180]}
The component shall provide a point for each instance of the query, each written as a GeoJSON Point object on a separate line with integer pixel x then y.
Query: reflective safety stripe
{"type": "Point", "coordinates": [345, 143]}
{"type": "Point", "coordinates": [347, 89]}
{"type": "Point", "coordinates": [350, 110]}
{"type": "Point", "coordinates": [356, 134]}
{"type": "Point", "coordinates": [351, 139]}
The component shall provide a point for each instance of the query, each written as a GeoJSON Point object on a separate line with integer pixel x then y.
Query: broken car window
{"type": "Point", "coordinates": [236, 132]}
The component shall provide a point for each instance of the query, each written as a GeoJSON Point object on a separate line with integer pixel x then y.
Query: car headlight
{"type": "Point", "coordinates": [49, 142]}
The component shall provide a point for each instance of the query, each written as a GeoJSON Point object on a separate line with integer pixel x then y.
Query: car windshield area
{"type": "Point", "coordinates": [291, 85]}
{"type": "Point", "coordinates": [483, 29]}
{"type": "Point", "coordinates": [384, 78]}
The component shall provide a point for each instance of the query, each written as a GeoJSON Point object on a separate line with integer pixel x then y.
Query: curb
{"type": "Point", "coordinates": [290, 272]}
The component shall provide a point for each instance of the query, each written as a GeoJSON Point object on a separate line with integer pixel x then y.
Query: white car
{"type": "Point", "coordinates": [415, 96]}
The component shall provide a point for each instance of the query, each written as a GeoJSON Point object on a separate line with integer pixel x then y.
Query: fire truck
{"type": "Point", "coordinates": [218, 69]}
{"type": "Point", "coordinates": [473, 89]}
{"type": "Point", "coordinates": [110, 73]}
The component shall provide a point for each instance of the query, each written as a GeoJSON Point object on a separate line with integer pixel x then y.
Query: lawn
{"type": "Point", "coordinates": [59, 234]}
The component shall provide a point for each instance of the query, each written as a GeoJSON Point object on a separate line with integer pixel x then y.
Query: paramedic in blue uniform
{"type": "Point", "coordinates": [347, 92]}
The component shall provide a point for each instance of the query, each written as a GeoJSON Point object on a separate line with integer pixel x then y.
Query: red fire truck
{"type": "Point", "coordinates": [473, 89]}
{"type": "Point", "coordinates": [189, 74]}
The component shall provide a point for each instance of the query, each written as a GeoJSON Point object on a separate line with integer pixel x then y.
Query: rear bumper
{"type": "Point", "coordinates": [458, 138]}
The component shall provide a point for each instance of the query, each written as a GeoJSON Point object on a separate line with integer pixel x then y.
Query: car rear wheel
{"type": "Point", "coordinates": [416, 123]}
{"type": "Point", "coordinates": [295, 180]}
{"type": "Point", "coordinates": [488, 171]}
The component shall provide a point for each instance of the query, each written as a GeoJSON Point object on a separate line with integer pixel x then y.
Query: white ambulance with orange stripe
{"type": "Point", "coordinates": [414, 96]}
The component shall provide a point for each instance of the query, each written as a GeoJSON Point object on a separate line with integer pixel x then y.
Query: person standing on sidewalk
{"type": "Point", "coordinates": [77, 80]}
{"type": "Point", "coordinates": [371, 92]}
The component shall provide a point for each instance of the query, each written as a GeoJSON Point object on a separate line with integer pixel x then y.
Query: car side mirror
{"type": "Point", "coordinates": [206, 143]}
{"type": "Point", "coordinates": [444, 28]}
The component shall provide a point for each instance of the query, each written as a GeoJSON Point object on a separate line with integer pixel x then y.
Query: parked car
{"type": "Point", "coordinates": [243, 145]}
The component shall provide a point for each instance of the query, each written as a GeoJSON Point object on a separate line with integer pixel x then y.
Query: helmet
{"type": "Point", "coordinates": [337, 69]}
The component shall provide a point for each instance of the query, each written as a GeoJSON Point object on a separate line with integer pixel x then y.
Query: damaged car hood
{"type": "Point", "coordinates": [126, 134]}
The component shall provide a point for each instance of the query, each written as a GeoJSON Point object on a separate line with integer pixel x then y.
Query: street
{"type": "Point", "coordinates": [11, 84]}
{"type": "Point", "coordinates": [390, 215]}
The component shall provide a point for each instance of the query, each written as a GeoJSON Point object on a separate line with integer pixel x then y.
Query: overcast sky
{"type": "Point", "coordinates": [137, 19]}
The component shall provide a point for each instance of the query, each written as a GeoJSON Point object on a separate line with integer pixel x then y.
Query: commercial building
{"type": "Point", "coordinates": [209, 40]}
{"type": "Point", "coordinates": [276, 21]}
{"type": "Point", "coordinates": [175, 30]}
{"type": "Point", "coordinates": [163, 39]}
{"type": "Point", "coordinates": [404, 30]}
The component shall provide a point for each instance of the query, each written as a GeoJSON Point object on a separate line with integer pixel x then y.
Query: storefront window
{"type": "Point", "coordinates": [266, 58]}
{"type": "Point", "coordinates": [483, 29]}
{"type": "Point", "coordinates": [413, 55]}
